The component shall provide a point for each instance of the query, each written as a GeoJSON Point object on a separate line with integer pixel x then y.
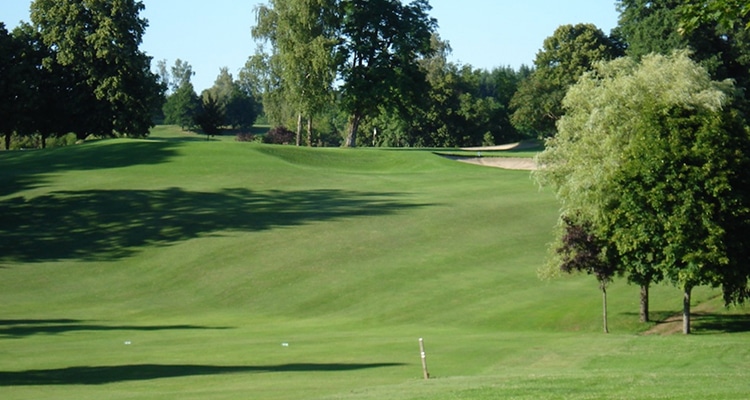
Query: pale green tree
{"type": "Point", "coordinates": [301, 61]}
{"type": "Point", "coordinates": [651, 155]}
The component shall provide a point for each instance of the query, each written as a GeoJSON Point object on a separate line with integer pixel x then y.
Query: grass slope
{"type": "Point", "coordinates": [180, 268]}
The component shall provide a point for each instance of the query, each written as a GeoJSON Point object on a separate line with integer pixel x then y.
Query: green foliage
{"type": "Point", "coordinates": [182, 106]}
{"type": "Point", "coordinates": [210, 116]}
{"type": "Point", "coordinates": [565, 56]}
{"type": "Point", "coordinates": [646, 154]}
{"type": "Point", "coordinates": [301, 67]}
{"type": "Point", "coordinates": [97, 42]}
{"type": "Point", "coordinates": [660, 26]}
{"type": "Point", "coordinates": [380, 45]}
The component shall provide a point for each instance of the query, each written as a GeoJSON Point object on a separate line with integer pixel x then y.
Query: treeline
{"type": "Point", "coordinates": [334, 72]}
{"type": "Point", "coordinates": [76, 68]}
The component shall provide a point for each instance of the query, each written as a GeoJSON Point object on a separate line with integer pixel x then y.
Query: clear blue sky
{"type": "Point", "coordinates": [484, 33]}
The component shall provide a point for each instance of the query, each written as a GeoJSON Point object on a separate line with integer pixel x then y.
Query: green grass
{"type": "Point", "coordinates": [177, 268]}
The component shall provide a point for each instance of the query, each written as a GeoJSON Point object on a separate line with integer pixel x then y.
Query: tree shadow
{"type": "Point", "coordinates": [19, 328]}
{"type": "Point", "coordinates": [21, 170]}
{"type": "Point", "coordinates": [102, 225]}
{"type": "Point", "coordinates": [90, 375]}
{"type": "Point", "coordinates": [720, 323]}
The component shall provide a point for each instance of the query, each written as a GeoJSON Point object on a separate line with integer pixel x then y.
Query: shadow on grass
{"type": "Point", "coordinates": [100, 375]}
{"type": "Point", "coordinates": [702, 322]}
{"type": "Point", "coordinates": [100, 225]}
{"type": "Point", "coordinates": [21, 170]}
{"type": "Point", "coordinates": [19, 328]}
{"type": "Point", "coordinates": [720, 323]}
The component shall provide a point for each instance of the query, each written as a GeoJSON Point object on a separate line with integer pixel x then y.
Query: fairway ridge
{"type": "Point", "coordinates": [181, 270]}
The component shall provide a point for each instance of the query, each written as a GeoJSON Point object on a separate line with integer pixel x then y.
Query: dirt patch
{"type": "Point", "coordinates": [673, 324]}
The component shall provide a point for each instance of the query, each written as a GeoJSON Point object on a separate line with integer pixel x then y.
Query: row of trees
{"type": "Point", "coordinates": [374, 66]}
{"type": "Point", "coordinates": [650, 156]}
{"type": "Point", "coordinates": [226, 104]}
{"type": "Point", "coordinates": [77, 68]}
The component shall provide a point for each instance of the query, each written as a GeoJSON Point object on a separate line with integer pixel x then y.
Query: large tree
{"type": "Point", "coordinates": [564, 57]}
{"type": "Point", "coordinates": [302, 66]}
{"type": "Point", "coordinates": [99, 41]}
{"type": "Point", "coordinates": [653, 156]}
{"type": "Point", "coordinates": [381, 43]}
{"type": "Point", "coordinates": [721, 44]}
{"type": "Point", "coordinates": [9, 75]}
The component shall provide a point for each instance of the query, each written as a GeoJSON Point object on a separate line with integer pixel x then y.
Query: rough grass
{"type": "Point", "coordinates": [179, 268]}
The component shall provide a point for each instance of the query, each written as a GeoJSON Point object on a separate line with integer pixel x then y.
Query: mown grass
{"type": "Point", "coordinates": [171, 268]}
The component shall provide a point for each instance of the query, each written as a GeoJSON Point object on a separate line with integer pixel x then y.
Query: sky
{"type": "Point", "coordinates": [486, 34]}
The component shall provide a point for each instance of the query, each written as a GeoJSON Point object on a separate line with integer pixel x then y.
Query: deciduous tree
{"type": "Point", "coordinates": [381, 44]}
{"type": "Point", "coordinates": [653, 157]}
{"type": "Point", "coordinates": [99, 41]}
{"type": "Point", "coordinates": [564, 57]}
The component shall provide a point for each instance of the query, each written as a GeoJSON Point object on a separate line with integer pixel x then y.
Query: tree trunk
{"type": "Point", "coordinates": [604, 308]}
{"type": "Point", "coordinates": [299, 128]}
{"type": "Point", "coordinates": [351, 136]}
{"type": "Point", "coordinates": [644, 303]}
{"type": "Point", "coordinates": [7, 141]}
{"type": "Point", "coordinates": [309, 131]}
{"type": "Point", "coordinates": [686, 310]}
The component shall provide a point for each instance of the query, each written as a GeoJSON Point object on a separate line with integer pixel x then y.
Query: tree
{"type": "Point", "coordinates": [381, 43]}
{"type": "Point", "coordinates": [183, 103]}
{"type": "Point", "coordinates": [181, 107]}
{"type": "Point", "coordinates": [210, 117]}
{"type": "Point", "coordinates": [659, 27]}
{"type": "Point", "coordinates": [726, 13]}
{"type": "Point", "coordinates": [565, 56]}
{"type": "Point", "coordinates": [8, 89]}
{"type": "Point", "coordinates": [654, 158]}
{"type": "Point", "coordinates": [302, 35]}
{"type": "Point", "coordinates": [240, 110]}
{"type": "Point", "coordinates": [581, 250]}
{"type": "Point", "coordinates": [99, 41]}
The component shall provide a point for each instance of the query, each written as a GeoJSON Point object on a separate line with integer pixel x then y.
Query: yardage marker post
{"type": "Point", "coordinates": [424, 359]}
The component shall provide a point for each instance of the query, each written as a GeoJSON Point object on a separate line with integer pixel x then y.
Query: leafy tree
{"type": "Point", "coordinates": [581, 250]}
{"type": "Point", "coordinates": [223, 87]}
{"type": "Point", "coordinates": [98, 41]}
{"type": "Point", "coordinates": [183, 103]}
{"type": "Point", "coordinates": [8, 89]}
{"type": "Point", "coordinates": [182, 106]}
{"type": "Point", "coordinates": [240, 109]}
{"type": "Point", "coordinates": [565, 56]}
{"type": "Point", "coordinates": [302, 35]}
{"type": "Point", "coordinates": [210, 117]}
{"type": "Point", "coordinates": [726, 13]}
{"type": "Point", "coordinates": [182, 74]}
{"type": "Point", "coordinates": [238, 105]}
{"type": "Point", "coordinates": [650, 154]}
{"type": "Point", "coordinates": [381, 43]}
{"type": "Point", "coordinates": [657, 27]}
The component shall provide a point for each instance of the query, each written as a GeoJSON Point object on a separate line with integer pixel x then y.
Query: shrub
{"type": "Point", "coordinates": [245, 137]}
{"type": "Point", "coordinates": [279, 135]}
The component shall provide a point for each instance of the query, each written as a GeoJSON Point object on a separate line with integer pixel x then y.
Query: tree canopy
{"type": "Point", "coordinates": [652, 155]}
{"type": "Point", "coordinates": [564, 57]}
{"type": "Point", "coordinates": [98, 41]}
